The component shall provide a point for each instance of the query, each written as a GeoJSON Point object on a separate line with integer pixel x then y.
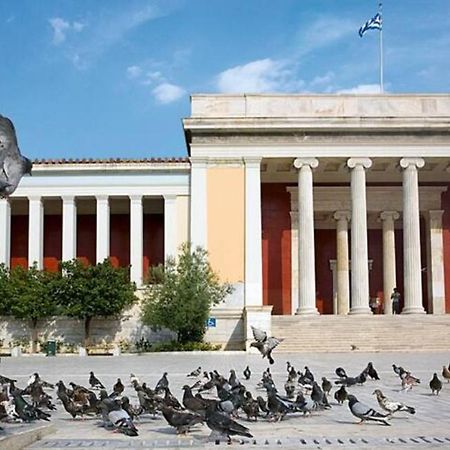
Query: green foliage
{"type": "Point", "coordinates": [91, 291]}
{"type": "Point", "coordinates": [175, 346]}
{"type": "Point", "coordinates": [143, 345]}
{"type": "Point", "coordinates": [5, 291]}
{"type": "Point", "coordinates": [181, 294]}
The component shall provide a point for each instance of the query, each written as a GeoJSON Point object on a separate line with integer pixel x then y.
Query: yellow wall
{"type": "Point", "coordinates": [226, 214]}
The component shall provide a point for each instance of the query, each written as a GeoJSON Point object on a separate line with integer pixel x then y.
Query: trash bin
{"type": "Point", "coordinates": [51, 348]}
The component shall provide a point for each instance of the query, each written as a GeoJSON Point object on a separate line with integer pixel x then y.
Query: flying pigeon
{"type": "Point", "coordinates": [264, 343]}
{"type": "Point", "coordinates": [12, 164]}
{"type": "Point", "coordinates": [390, 406]}
{"type": "Point", "coordinates": [364, 412]}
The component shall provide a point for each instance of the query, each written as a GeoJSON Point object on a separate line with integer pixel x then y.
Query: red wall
{"type": "Point", "coordinates": [86, 238]}
{"type": "Point", "coordinates": [153, 240]}
{"type": "Point", "coordinates": [52, 242]}
{"type": "Point", "coordinates": [276, 247]}
{"type": "Point", "coordinates": [19, 241]}
{"type": "Point", "coordinates": [119, 244]}
{"type": "Point", "coordinates": [325, 249]}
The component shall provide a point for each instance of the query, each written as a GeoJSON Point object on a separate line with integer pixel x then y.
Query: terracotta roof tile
{"type": "Point", "coordinates": [172, 160]}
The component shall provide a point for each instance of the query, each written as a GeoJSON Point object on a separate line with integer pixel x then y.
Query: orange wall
{"type": "Point", "coordinates": [225, 206]}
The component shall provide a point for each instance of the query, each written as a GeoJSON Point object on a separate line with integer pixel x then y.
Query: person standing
{"type": "Point", "coordinates": [395, 297]}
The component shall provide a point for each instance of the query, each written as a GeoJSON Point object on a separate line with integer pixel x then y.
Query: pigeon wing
{"type": "Point", "coordinates": [259, 335]}
{"type": "Point", "coordinates": [8, 138]}
{"type": "Point", "coordinates": [272, 342]}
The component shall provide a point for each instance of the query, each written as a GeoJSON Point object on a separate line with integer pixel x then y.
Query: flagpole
{"type": "Point", "coordinates": [380, 6]}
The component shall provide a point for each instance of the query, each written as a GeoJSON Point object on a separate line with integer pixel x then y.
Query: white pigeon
{"type": "Point", "coordinates": [390, 406]}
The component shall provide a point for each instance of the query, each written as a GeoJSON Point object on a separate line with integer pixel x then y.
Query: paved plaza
{"type": "Point", "coordinates": [335, 428]}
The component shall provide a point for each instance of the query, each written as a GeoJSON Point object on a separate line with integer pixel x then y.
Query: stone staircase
{"type": "Point", "coordinates": [329, 333]}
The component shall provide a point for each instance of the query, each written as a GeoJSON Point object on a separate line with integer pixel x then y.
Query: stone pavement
{"type": "Point", "coordinates": [335, 428]}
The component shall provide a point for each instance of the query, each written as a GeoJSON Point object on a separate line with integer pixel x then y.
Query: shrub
{"type": "Point", "coordinates": [175, 346]}
{"type": "Point", "coordinates": [181, 294]}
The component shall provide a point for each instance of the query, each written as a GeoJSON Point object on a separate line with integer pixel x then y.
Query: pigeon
{"type": "Point", "coordinates": [340, 372]}
{"type": "Point", "coordinates": [370, 370]}
{"type": "Point", "coordinates": [12, 164]}
{"type": "Point", "coordinates": [221, 423]}
{"type": "Point", "coordinates": [251, 406]}
{"type": "Point", "coordinates": [408, 381]}
{"type": "Point", "coordinates": [95, 382]}
{"type": "Point", "coordinates": [308, 374]}
{"type": "Point", "coordinates": [399, 370]}
{"type": "Point", "coordinates": [27, 412]}
{"type": "Point", "coordinates": [121, 419]}
{"type": "Point", "coordinates": [180, 420]}
{"type": "Point", "coordinates": [194, 404]}
{"type": "Point", "coordinates": [318, 396]}
{"type": "Point", "coordinates": [264, 343]}
{"type": "Point", "coordinates": [195, 373]}
{"type": "Point", "coordinates": [364, 412]}
{"type": "Point", "coordinates": [446, 373]}
{"type": "Point", "coordinates": [6, 380]}
{"type": "Point", "coordinates": [118, 388]}
{"type": "Point", "coordinates": [247, 373]}
{"type": "Point", "coordinates": [326, 385]}
{"type": "Point", "coordinates": [341, 395]}
{"type": "Point", "coordinates": [390, 406]}
{"type": "Point", "coordinates": [162, 384]}
{"type": "Point", "coordinates": [435, 384]}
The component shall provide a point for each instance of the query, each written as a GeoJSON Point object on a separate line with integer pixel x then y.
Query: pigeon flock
{"type": "Point", "coordinates": [225, 404]}
{"type": "Point", "coordinates": [13, 165]}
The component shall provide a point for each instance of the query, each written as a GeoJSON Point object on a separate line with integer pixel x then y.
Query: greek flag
{"type": "Point", "coordinates": [375, 23]}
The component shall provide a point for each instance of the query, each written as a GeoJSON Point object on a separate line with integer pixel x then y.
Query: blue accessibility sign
{"type": "Point", "coordinates": [211, 322]}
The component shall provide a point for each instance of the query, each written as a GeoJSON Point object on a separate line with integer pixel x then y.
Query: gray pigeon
{"type": "Point", "coordinates": [264, 343]}
{"type": "Point", "coordinates": [364, 412]}
{"type": "Point", "coordinates": [12, 164]}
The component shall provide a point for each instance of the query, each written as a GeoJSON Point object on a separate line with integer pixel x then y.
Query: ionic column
{"type": "Point", "coordinates": [103, 231]}
{"type": "Point", "coordinates": [342, 263]}
{"type": "Point", "coordinates": [36, 231]}
{"type": "Point", "coordinates": [198, 229]}
{"type": "Point", "coordinates": [436, 263]}
{"type": "Point", "coordinates": [389, 276]}
{"type": "Point", "coordinates": [69, 228]}
{"type": "Point", "coordinates": [253, 233]}
{"type": "Point", "coordinates": [411, 236]}
{"type": "Point", "coordinates": [5, 231]}
{"type": "Point", "coordinates": [170, 225]}
{"type": "Point", "coordinates": [136, 239]}
{"type": "Point", "coordinates": [306, 263]}
{"type": "Point", "coordinates": [359, 252]}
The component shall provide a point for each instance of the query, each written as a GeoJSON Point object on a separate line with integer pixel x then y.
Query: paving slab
{"type": "Point", "coordinates": [335, 428]}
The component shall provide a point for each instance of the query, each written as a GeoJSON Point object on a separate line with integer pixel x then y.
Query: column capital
{"type": "Point", "coordinates": [416, 163]}
{"type": "Point", "coordinates": [35, 198]}
{"type": "Point", "coordinates": [342, 215]}
{"type": "Point", "coordinates": [170, 197]}
{"type": "Point", "coordinates": [252, 161]}
{"type": "Point", "coordinates": [436, 214]}
{"type": "Point", "coordinates": [389, 215]}
{"type": "Point", "coordinates": [68, 199]}
{"type": "Point", "coordinates": [311, 162]}
{"type": "Point", "coordinates": [366, 163]}
{"type": "Point", "coordinates": [135, 198]}
{"type": "Point", "coordinates": [102, 198]}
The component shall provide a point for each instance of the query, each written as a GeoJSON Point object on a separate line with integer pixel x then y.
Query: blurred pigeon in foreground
{"type": "Point", "coordinates": [12, 164]}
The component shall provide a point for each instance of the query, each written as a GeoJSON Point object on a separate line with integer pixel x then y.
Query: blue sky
{"type": "Point", "coordinates": [110, 78]}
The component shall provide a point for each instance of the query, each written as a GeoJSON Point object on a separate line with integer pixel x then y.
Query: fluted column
{"type": "Point", "coordinates": [170, 225]}
{"type": "Point", "coordinates": [436, 273]}
{"type": "Point", "coordinates": [69, 228]}
{"type": "Point", "coordinates": [306, 263]}
{"type": "Point", "coordinates": [359, 251]}
{"type": "Point", "coordinates": [411, 236]}
{"type": "Point", "coordinates": [36, 232]}
{"type": "Point", "coordinates": [389, 274]}
{"type": "Point", "coordinates": [342, 263]}
{"type": "Point", "coordinates": [198, 216]}
{"type": "Point", "coordinates": [5, 231]}
{"type": "Point", "coordinates": [253, 233]}
{"type": "Point", "coordinates": [136, 239]}
{"type": "Point", "coordinates": [103, 230]}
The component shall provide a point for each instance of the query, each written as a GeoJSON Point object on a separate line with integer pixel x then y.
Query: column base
{"type": "Point", "coordinates": [414, 310]}
{"type": "Point", "coordinates": [307, 312]}
{"type": "Point", "coordinates": [361, 310]}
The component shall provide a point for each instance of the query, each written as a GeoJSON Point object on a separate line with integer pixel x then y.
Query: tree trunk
{"type": "Point", "coordinates": [34, 335]}
{"type": "Point", "coordinates": [87, 331]}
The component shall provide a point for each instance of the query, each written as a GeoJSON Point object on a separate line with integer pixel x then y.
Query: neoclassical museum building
{"type": "Point", "coordinates": [313, 206]}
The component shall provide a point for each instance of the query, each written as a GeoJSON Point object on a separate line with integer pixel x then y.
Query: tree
{"type": "Point", "coordinates": [89, 291]}
{"type": "Point", "coordinates": [5, 291]}
{"type": "Point", "coordinates": [181, 293]}
{"type": "Point", "coordinates": [32, 297]}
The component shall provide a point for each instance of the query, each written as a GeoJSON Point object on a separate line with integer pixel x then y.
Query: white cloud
{"type": "Point", "coordinates": [134, 72]}
{"type": "Point", "coordinates": [263, 75]}
{"type": "Point", "coordinates": [61, 27]}
{"type": "Point", "coordinates": [167, 93]}
{"type": "Point", "coordinates": [321, 80]}
{"type": "Point", "coordinates": [362, 89]}
{"type": "Point", "coordinates": [153, 77]}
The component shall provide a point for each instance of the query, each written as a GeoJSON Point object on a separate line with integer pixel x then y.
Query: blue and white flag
{"type": "Point", "coordinates": [375, 23]}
